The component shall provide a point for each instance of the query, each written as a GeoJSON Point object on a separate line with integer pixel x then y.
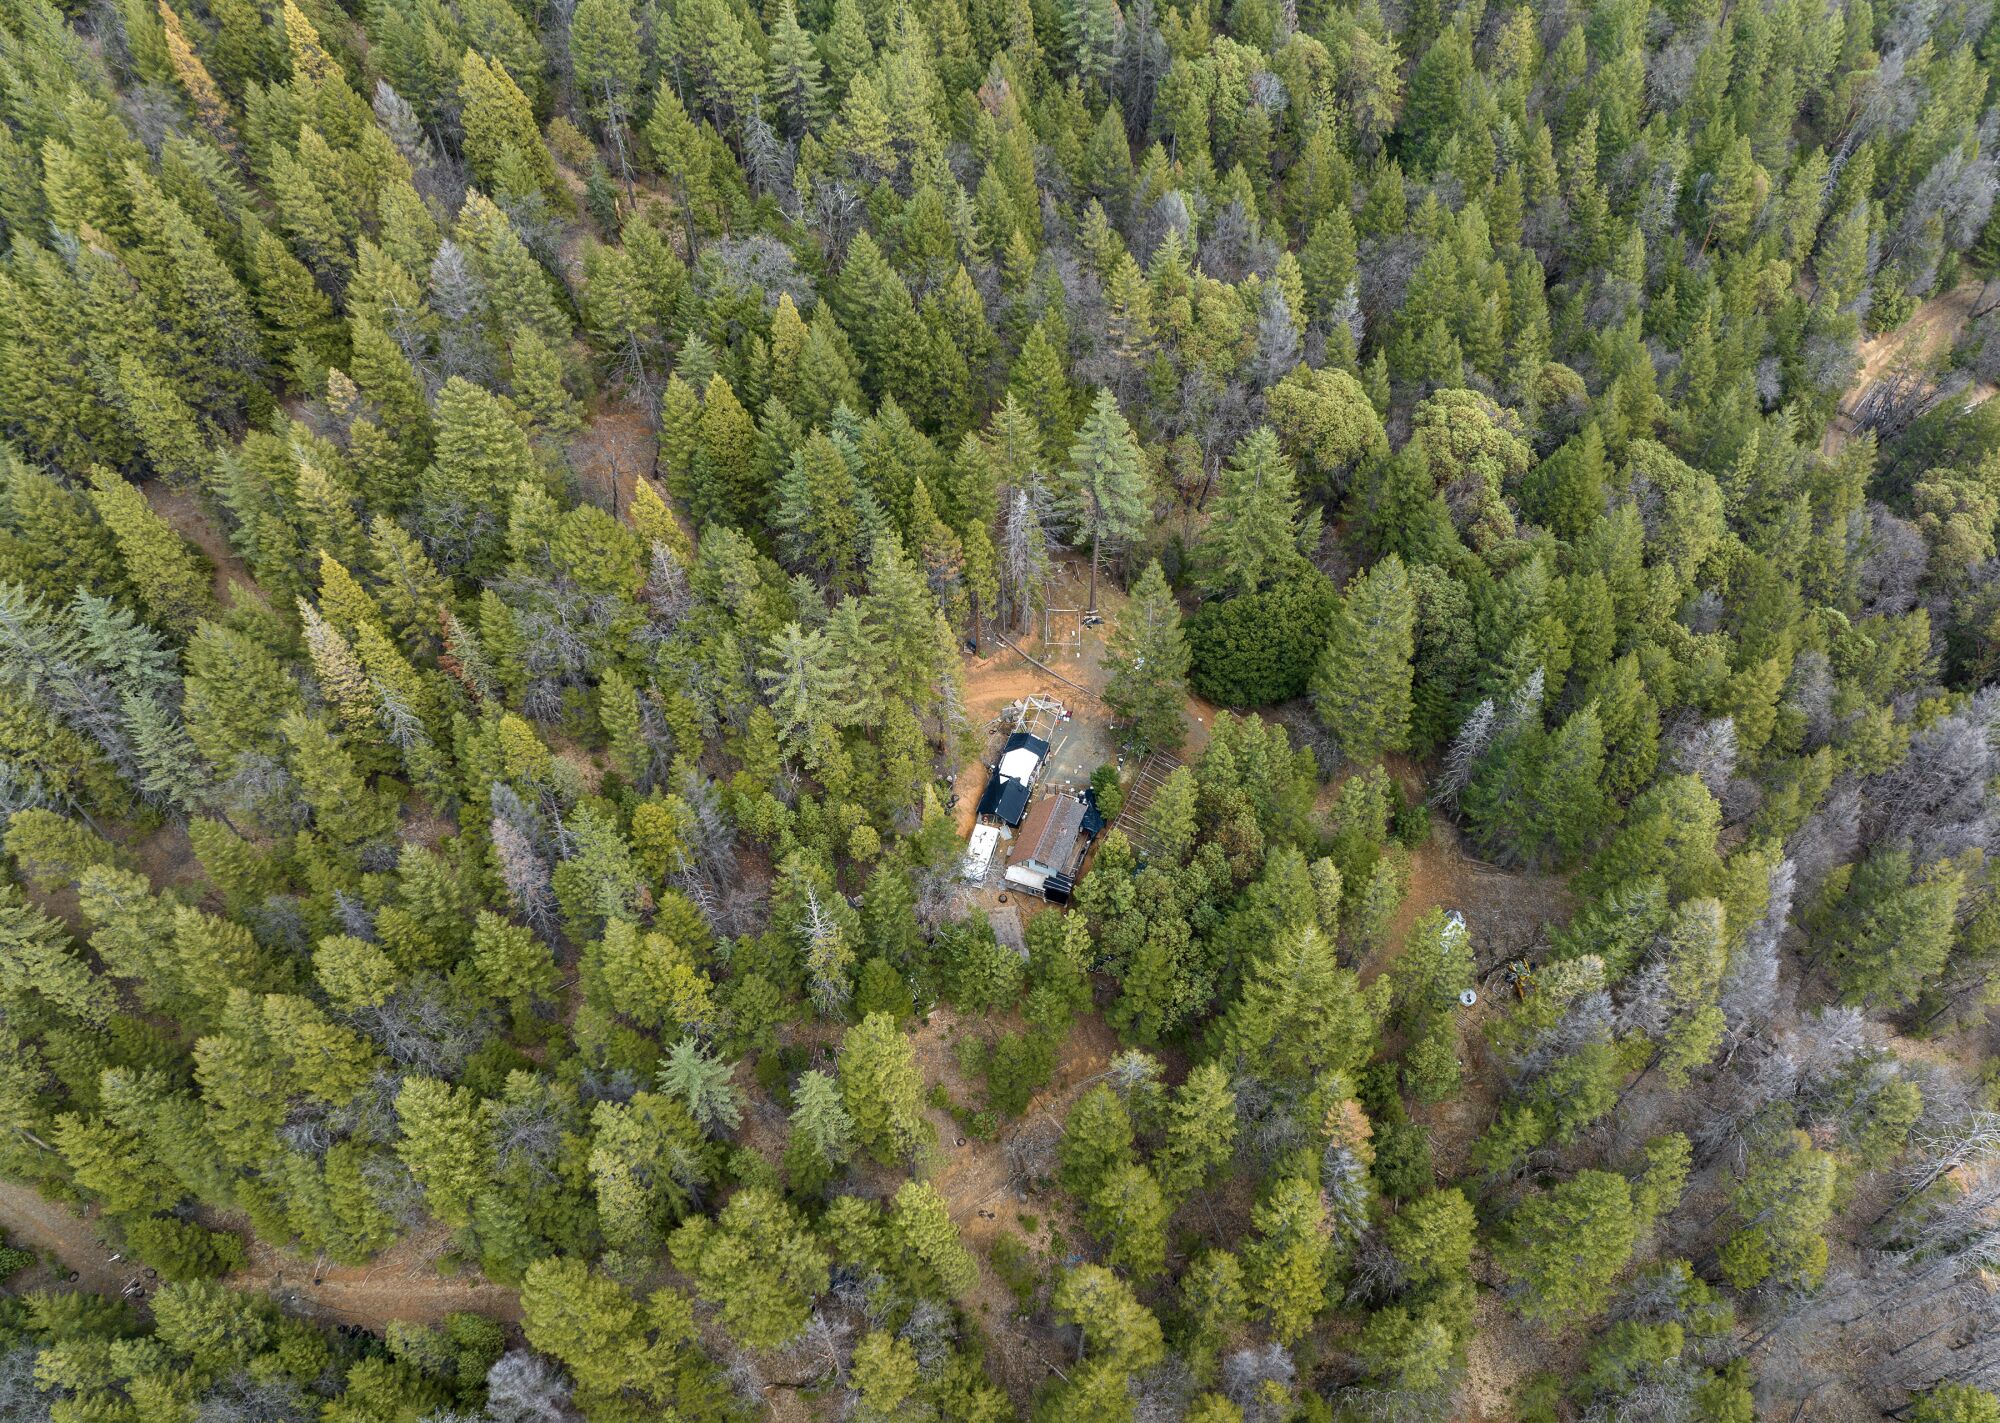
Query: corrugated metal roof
{"type": "Point", "coordinates": [1048, 836]}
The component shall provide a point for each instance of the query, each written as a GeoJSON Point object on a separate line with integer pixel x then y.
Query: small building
{"type": "Point", "coordinates": [1013, 778]}
{"type": "Point", "coordinates": [979, 852]}
{"type": "Point", "coordinates": [1046, 850]}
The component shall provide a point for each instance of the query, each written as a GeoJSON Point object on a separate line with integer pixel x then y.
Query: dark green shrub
{"type": "Point", "coordinates": [181, 1250]}
{"type": "Point", "coordinates": [1261, 648]}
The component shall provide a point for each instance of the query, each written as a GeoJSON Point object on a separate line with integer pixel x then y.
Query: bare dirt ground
{"type": "Point", "coordinates": [1508, 915]}
{"type": "Point", "coordinates": [166, 857]}
{"type": "Point", "coordinates": [402, 1284]}
{"type": "Point", "coordinates": [32, 1222]}
{"type": "Point", "coordinates": [1498, 1360]}
{"type": "Point", "coordinates": [1072, 672]}
{"type": "Point", "coordinates": [1930, 333]}
{"type": "Point", "coordinates": [613, 452]}
{"type": "Point", "coordinates": [981, 1191]}
{"type": "Point", "coordinates": [181, 509]}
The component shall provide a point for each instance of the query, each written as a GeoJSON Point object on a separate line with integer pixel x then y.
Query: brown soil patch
{"type": "Point", "coordinates": [1499, 1358]}
{"type": "Point", "coordinates": [182, 510]}
{"type": "Point", "coordinates": [613, 452]}
{"type": "Point", "coordinates": [1930, 332]}
{"type": "Point", "coordinates": [1928, 336]}
{"type": "Point", "coordinates": [33, 1222]}
{"type": "Point", "coordinates": [402, 1284]}
{"type": "Point", "coordinates": [1508, 915]}
{"type": "Point", "coordinates": [166, 857]}
{"type": "Point", "coordinates": [1072, 671]}
{"type": "Point", "coordinates": [986, 1203]}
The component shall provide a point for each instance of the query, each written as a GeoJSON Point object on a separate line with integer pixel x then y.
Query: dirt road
{"type": "Point", "coordinates": [401, 1285]}
{"type": "Point", "coordinates": [34, 1223]}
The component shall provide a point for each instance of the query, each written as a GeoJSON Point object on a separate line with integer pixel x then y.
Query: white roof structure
{"type": "Point", "coordinates": [1027, 877]}
{"type": "Point", "coordinates": [1020, 764]}
{"type": "Point", "coordinates": [979, 852]}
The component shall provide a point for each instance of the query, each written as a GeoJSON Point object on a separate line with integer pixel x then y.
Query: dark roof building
{"type": "Point", "coordinates": [1006, 794]}
{"type": "Point", "coordinates": [1004, 799]}
{"type": "Point", "coordinates": [1048, 838]}
{"type": "Point", "coordinates": [1047, 847]}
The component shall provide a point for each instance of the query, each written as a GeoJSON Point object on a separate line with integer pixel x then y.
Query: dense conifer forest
{"type": "Point", "coordinates": [942, 711]}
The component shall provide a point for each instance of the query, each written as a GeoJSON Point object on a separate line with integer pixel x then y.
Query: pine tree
{"type": "Point", "coordinates": [171, 579]}
{"type": "Point", "coordinates": [237, 691]}
{"type": "Point", "coordinates": [1563, 1247]}
{"type": "Point", "coordinates": [203, 308]}
{"type": "Point", "coordinates": [409, 589]}
{"type": "Point", "coordinates": [758, 1262]}
{"type": "Point", "coordinates": [1129, 1211]}
{"type": "Point", "coordinates": [1039, 384]}
{"type": "Point", "coordinates": [1256, 533]}
{"type": "Point", "coordinates": [1299, 1012]}
{"type": "Point", "coordinates": [796, 76]}
{"type": "Point", "coordinates": [482, 455]}
{"type": "Point", "coordinates": [442, 1145]}
{"type": "Point", "coordinates": [508, 962]}
{"type": "Point", "coordinates": [1885, 926]}
{"type": "Point", "coordinates": [874, 307]}
{"type": "Point", "coordinates": [1201, 1130]}
{"type": "Point", "coordinates": [51, 541]}
{"type": "Point", "coordinates": [611, 1344]}
{"type": "Point", "coordinates": [314, 213]}
{"type": "Point", "coordinates": [818, 514]}
{"type": "Point", "coordinates": [822, 1134]}
{"type": "Point", "coordinates": [497, 119]}
{"type": "Point", "coordinates": [722, 483]}
{"type": "Point", "coordinates": [517, 288]}
{"type": "Point", "coordinates": [344, 809]}
{"type": "Point", "coordinates": [1284, 1265]}
{"type": "Point", "coordinates": [605, 58]}
{"type": "Point", "coordinates": [885, 1374]}
{"type": "Point", "coordinates": [700, 1082]}
{"type": "Point", "coordinates": [539, 386]}
{"type": "Point", "coordinates": [347, 688]}
{"type": "Point", "coordinates": [1956, 1403]}
{"type": "Point", "coordinates": [923, 1245]}
{"type": "Point", "coordinates": [168, 432]}
{"type": "Point", "coordinates": [683, 155]}
{"type": "Point", "coordinates": [1119, 1332]}
{"type": "Point", "coordinates": [302, 333]}
{"type": "Point", "coordinates": [36, 959]}
{"type": "Point", "coordinates": [1147, 660]}
{"type": "Point", "coordinates": [1361, 688]}
{"type": "Point", "coordinates": [882, 1089]}
{"type": "Point", "coordinates": [1104, 494]}
{"type": "Point", "coordinates": [1673, 997]}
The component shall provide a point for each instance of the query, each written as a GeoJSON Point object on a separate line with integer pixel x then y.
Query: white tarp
{"type": "Point", "coordinates": [1025, 878]}
{"type": "Point", "coordinates": [1019, 764]}
{"type": "Point", "coordinates": [979, 851]}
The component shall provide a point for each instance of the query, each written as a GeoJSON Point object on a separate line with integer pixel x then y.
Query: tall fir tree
{"type": "Point", "coordinates": [1361, 688]}
{"type": "Point", "coordinates": [1104, 494]}
{"type": "Point", "coordinates": [1147, 659]}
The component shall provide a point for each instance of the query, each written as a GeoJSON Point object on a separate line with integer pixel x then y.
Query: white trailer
{"type": "Point", "coordinates": [979, 853]}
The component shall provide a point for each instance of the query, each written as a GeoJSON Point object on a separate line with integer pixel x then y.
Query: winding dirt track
{"type": "Point", "coordinates": [401, 1285]}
